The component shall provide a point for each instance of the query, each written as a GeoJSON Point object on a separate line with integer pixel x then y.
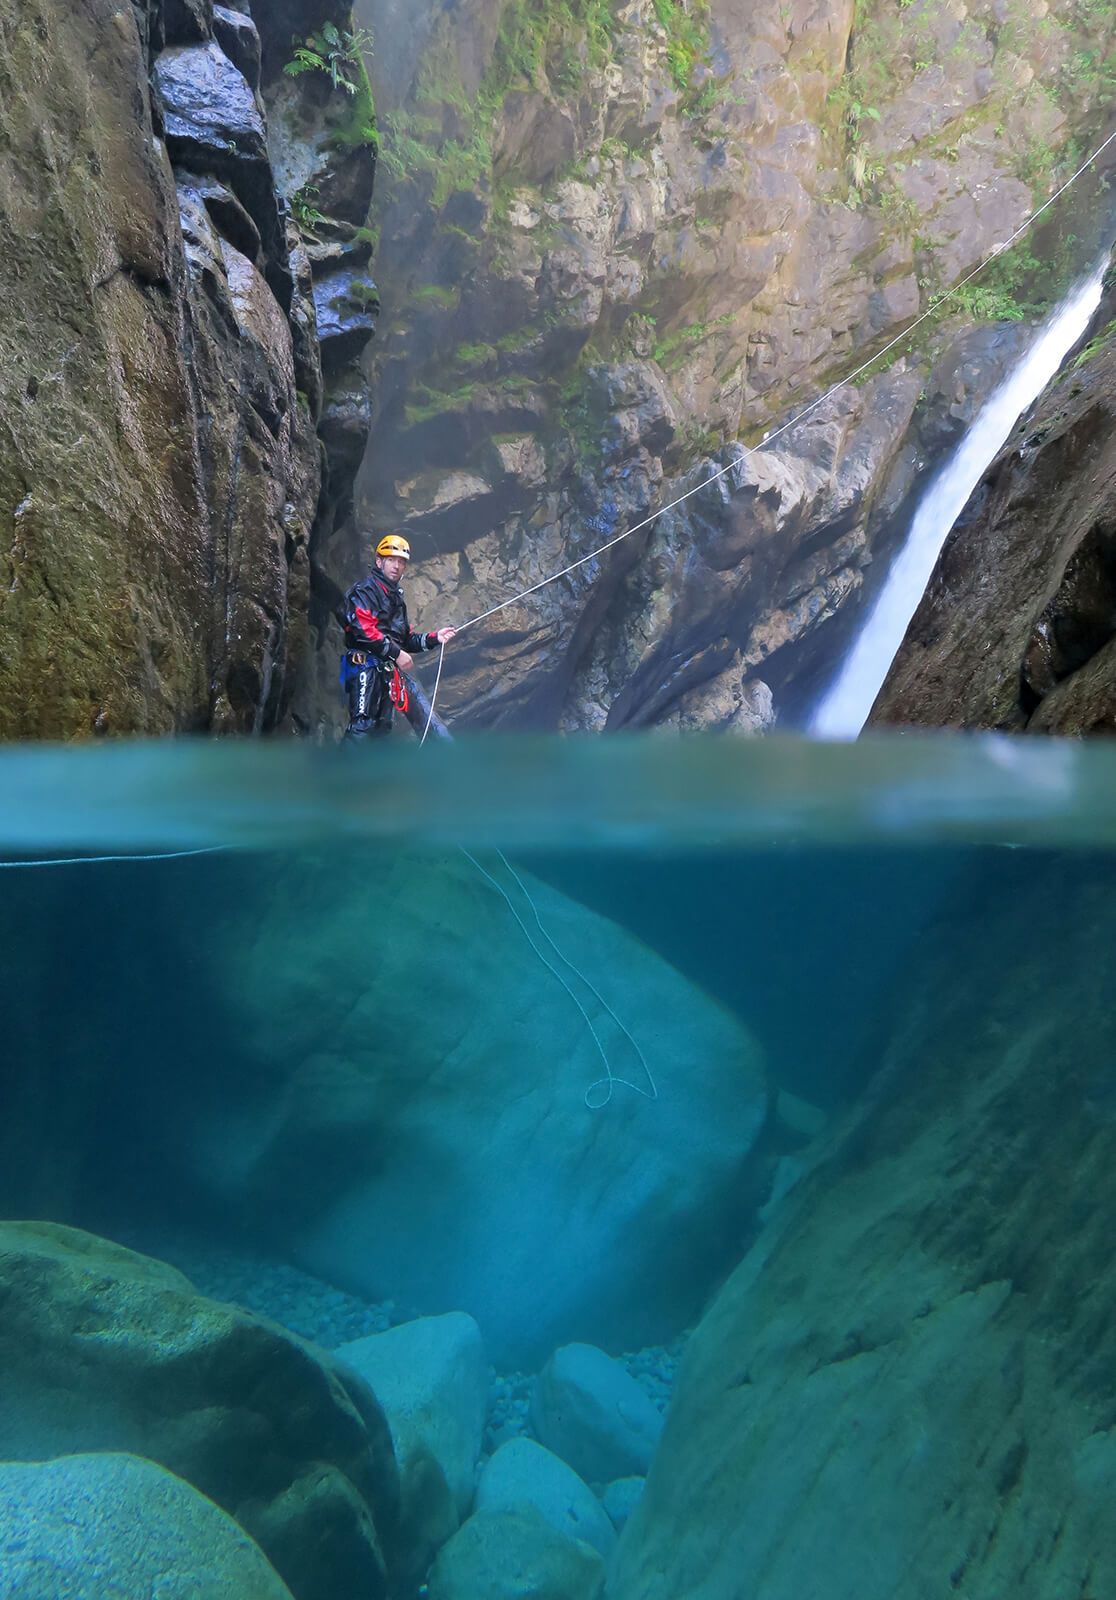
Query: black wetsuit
{"type": "Point", "coordinates": [376, 627]}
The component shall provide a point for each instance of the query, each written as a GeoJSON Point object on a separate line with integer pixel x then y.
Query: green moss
{"type": "Point", "coordinates": [541, 44]}
{"type": "Point", "coordinates": [686, 24]}
{"type": "Point", "coordinates": [675, 349]}
{"type": "Point", "coordinates": [437, 295]}
{"type": "Point", "coordinates": [1096, 345]}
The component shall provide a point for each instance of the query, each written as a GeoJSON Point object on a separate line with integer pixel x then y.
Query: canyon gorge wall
{"type": "Point", "coordinates": [619, 245]}
{"type": "Point", "coordinates": [618, 242]}
{"type": "Point", "coordinates": [173, 351]}
{"type": "Point", "coordinates": [1017, 630]}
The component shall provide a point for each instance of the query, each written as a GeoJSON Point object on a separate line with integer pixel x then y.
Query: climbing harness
{"type": "Point", "coordinates": [745, 451]}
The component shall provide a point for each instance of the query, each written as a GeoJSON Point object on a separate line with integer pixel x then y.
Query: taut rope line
{"type": "Point", "coordinates": [745, 451]}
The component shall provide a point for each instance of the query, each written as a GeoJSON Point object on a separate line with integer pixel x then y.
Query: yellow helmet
{"type": "Point", "coordinates": [393, 545]}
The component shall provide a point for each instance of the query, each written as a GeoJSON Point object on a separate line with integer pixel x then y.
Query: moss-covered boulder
{"type": "Point", "coordinates": [105, 1350]}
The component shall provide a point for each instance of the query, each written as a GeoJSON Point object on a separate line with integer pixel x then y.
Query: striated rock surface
{"type": "Point", "coordinates": [163, 477]}
{"type": "Point", "coordinates": [618, 241]}
{"type": "Point", "coordinates": [88, 1526]}
{"type": "Point", "coordinates": [1017, 629]}
{"type": "Point", "coordinates": [906, 1386]}
{"type": "Point", "coordinates": [104, 1350]}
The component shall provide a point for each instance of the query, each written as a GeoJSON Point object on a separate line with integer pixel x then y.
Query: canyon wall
{"type": "Point", "coordinates": [619, 244]}
{"type": "Point", "coordinates": [1017, 629]}
{"type": "Point", "coordinates": [172, 346]}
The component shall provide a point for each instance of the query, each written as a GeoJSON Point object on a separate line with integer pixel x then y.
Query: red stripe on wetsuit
{"type": "Point", "coordinates": [369, 624]}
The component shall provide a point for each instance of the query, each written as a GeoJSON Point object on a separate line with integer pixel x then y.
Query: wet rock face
{"type": "Point", "coordinates": [160, 370]}
{"type": "Point", "coordinates": [611, 248]}
{"type": "Point", "coordinates": [1018, 626]}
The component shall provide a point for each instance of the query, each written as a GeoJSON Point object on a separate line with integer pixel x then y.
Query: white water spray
{"type": "Point", "coordinates": [845, 707]}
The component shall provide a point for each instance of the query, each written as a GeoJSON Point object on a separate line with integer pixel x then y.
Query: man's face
{"type": "Point", "coordinates": [392, 567]}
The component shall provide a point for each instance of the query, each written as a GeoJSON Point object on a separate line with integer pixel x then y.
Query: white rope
{"type": "Point", "coordinates": [745, 451]}
{"type": "Point", "coordinates": [92, 861]}
{"type": "Point", "coordinates": [610, 1081]}
{"type": "Point", "coordinates": [434, 696]}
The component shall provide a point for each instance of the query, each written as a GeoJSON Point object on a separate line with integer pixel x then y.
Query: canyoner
{"type": "Point", "coordinates": [379, 640]}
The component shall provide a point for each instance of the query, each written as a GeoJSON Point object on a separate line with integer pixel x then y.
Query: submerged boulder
{"type": "Point", "coordinates": [522, 1476]}
{"type": "Point", "coordinates": [431, 1378]}
{"type": "Point", "coordinates": [411, 1118]}
{"type": "Point", "coordinates": [89, 1526]}
{"type": "Point", "coordinates": [590, 1411]}
{"type": "Point", "coordinates": [515, 1555]}
{"type": "Point", "coordinates": [105, 1350]}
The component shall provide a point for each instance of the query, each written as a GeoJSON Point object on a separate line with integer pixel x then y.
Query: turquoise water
{"type": "Point", "coordinates": [780, 1073]}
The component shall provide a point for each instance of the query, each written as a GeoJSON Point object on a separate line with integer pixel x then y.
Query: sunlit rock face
{"type": "Point", "coordinates": [906, 1383]}
{"type": "Point", "coordinates": [1017, 628]}
{"type": "Point", "coordinates": [620, 241]}
{"type": "Point", "coordinates": [161, 370]}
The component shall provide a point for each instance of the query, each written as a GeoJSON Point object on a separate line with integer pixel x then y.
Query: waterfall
{"type": "Point", "coordinates": [844, 708]}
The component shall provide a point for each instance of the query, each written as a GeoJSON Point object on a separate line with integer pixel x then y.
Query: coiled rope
{"type": "Point", "coordinates": [744, 451]}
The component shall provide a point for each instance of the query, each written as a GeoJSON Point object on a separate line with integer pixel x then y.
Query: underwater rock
{"type": "Point", "coordinates": [907, 1383]}
{"type": "Point", "coordinates": [523, 1474]}
{"type": "Point", "coordinates": [454, 1163]}
{"type": "Point", "coordinates": [591, 1412]}
{"type": "Point", "coordinates": [431, 1377]}
{"type": "Point", "coordinates": [798, 1116]}
{"type": "Point", "coordinates": [621, 1498]}
{"type": "Point", "coordinates": [515, 1555]}
{"type": "Point", "coordinates": [105, 1350]}
{"type": "Point", "coordinates": [89, 1526]}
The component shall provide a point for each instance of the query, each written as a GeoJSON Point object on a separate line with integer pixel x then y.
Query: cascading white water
{"type": "Point", "coordinates": [844, 709]}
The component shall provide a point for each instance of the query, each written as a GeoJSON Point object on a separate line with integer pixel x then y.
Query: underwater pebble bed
{"type": "Point", "coordinates": [331, 1317]}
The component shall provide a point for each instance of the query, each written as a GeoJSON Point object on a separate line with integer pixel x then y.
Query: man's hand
{"type": "Point", "coordinates": [404, 662]}
{"type": "Point", "coordinates": [444, 635]}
